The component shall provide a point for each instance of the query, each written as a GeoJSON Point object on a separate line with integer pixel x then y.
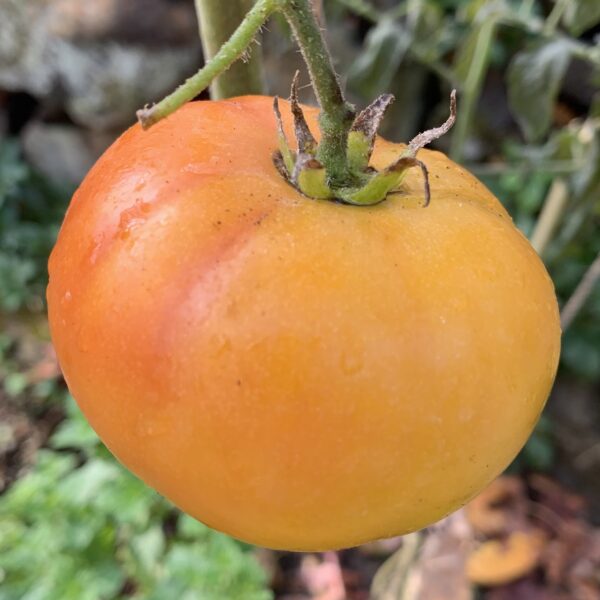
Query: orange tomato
{"type": "Point", "coordinates": [300, 374]}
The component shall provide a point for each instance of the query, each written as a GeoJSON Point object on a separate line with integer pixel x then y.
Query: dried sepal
{"type": "Point", "coordinates": [281, 166]}
{"type": "Point", "coordinates": [361, 138]}
{"type": "Point", "coordinates": [406, 162]}
{"type": "Point", "coordinates": [425, 138]}
{"type": "Point", "coordinates": [384, 182]}
{"type": "Point", "coordinates": [306, 141]}
{"type": "Point", "coordinates": [310, 178]}
{"type": "Point", "coordinates": [286, 154]}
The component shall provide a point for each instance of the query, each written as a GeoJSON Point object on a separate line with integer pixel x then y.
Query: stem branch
{"type": "Point", "coordinates": [218, 20]}
{"type": "Point", "coordinates": [582, 292]}
{"type": "Point", "coordinates": [555, 16]}
{"type": "Point", "coordinates": [231, 50]}
{"type": "Point", "coordinates": [472, 86]}
{"type": "Point", "coordinates": [550, 216]}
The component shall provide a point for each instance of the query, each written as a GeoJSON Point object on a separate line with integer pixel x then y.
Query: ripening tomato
{"type": "Point", "coordinates": [298, 373]}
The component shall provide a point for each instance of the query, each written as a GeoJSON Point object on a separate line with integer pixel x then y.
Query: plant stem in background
{"type": "Point", "coordinates": [231, 50]}
{"type": "Point", "coordinates": [582, 292]}
{"type": "Point", "coordinates": [336, 114]}
{"type": "Point", "coordinates": [218, 20]}
{"type": "Point", "coordinates": [391, 579]}
{"type": "Point", "coordinates": [471, 90]}
{"type": "Point", "coordinates": [526, 8]}
{"type": "Point", "coordinates": [551, 215]}
{"type": "Point", "coordinates": [362, 9]}
{"type": "Point", "coordinates": [555, 16]}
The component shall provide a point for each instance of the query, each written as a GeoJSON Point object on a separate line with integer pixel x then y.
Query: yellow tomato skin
{"type": "Point", "coordinates": [300, 374]}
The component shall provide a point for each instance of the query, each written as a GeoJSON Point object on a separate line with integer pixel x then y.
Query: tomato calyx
{"type": "Point", "coordinates": [367, 186]}
{"type": "Point", "coordinates": [337, 167]}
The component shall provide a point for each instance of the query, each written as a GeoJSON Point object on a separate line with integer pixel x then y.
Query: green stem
{"type": "Point", "coordinates": [231, 50]}
{"type": "Point", "coordinates": [218, 20]}
{"type": "Point", "coordinates": [550, 217]}
{"type": "Point", "coordinates": [555, 16]}
{"type": "Point", "coordinates": [582, 292]}
{"type": "Point", "coordinates": [336, 116]}
{"type": "Point", "coordinates": [362, 9]}
{"type": "Point", "coordinates": [472, 87]}
{"type": "Point", "coordinates": [526, 8]}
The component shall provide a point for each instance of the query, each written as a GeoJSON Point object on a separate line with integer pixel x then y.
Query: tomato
{"type": "Point", "coordinates": [298, 373]}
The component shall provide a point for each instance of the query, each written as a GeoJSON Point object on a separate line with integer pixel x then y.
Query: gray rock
{"type": "Point", "coordinates": [63, 153]}
{"type": "Point", "coordinates": [58, 47]}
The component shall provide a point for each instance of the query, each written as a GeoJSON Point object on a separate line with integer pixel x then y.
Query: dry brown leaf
{"type": "Point", "coordinates": [439, 573]}
{"type": "Point", "coordinates": [525, 589]}
{"type": "Point", "coordinates": [381, 548]}
{"type": "Point", "coordinates": [323, 579]}
{"type": "Point", "coordinates": [499, 562]}
{"type": "Point", "coordinates": [500, 508]}
{"type": "Point", "coordinates": [551, 494]}
{"type": "Point", "coordinates": [564, 551]}
{"type": "Point", "coordinates": [46, 367]}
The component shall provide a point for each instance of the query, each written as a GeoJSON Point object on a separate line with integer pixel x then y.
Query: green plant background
{"type": "Point", "coordinates": [78, 526]}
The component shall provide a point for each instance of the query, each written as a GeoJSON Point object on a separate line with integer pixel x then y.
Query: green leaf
{"type": "Point", "coordinates": [148, 549]}
{"type": "Point", "coordinates": [581, 350]}
{"type": "Point", "coordinates": [474, 50]}
{"type": "Point", "coordinates": [15, 383]}
{"type": "Point", "coordinates": [129, 501]}
{"type": "Point", "coordinates": [30, 214]}
{"type": "Point", "coordinates": [85, 483]}
{"type": "Point", "coordinates": [215, 569]}
{"type": "Point", "coordinates": [12, 170]}
{"type": "Point", "coordinates": [581, 15]}
{"type": "Point", "coordinates": [385, 48]}
{"type": "Point", "coordinates": [188, 527]}
{"type": "Point", "coordinates": [538, 453]}
{"type": "Point", "coordinates": [470, 68]}
{"type": "Point", "coordinates": [75, 432]}
{"type": "Point", "coordinates": [534, 78]}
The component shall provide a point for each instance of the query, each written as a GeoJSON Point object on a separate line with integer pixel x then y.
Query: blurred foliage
{"type": "Point", "coordinates": [31, 211]}
{"type": "Point", "coordinates": [539, 452]}
{"type": "Point", "coordinates": [80, 527]}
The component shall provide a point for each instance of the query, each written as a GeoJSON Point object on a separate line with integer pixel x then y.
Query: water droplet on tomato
{"type": "Point", "coordinates": [96, 248]}
{"type": "Point", "coordinates": [132, 217]}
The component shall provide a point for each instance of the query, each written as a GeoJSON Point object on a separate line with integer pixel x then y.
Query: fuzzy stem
{"type": "Point", "coordinates": [218, 20]}
{"type": "Point", "coordinates": [581, 294]}
{"type": "Point", "coordinates": [336, 115]}
{"type": "Point", "coordinates": [550, 216]}
{"type": "Point", "coordinates": [231, 50]}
